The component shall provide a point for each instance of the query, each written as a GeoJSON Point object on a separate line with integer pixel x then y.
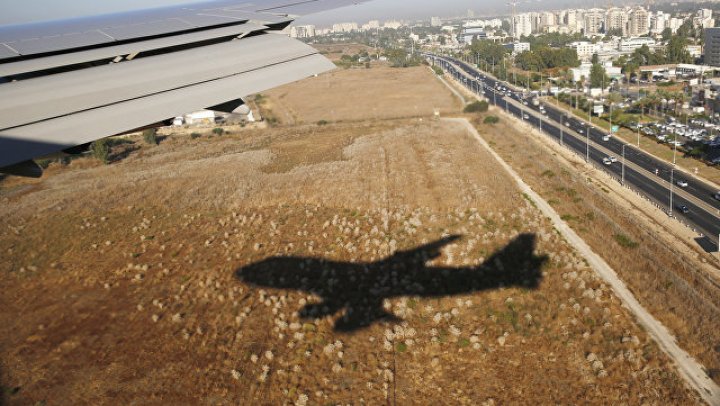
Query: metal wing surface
{"type": "Point", "coordinates": [68, 83]}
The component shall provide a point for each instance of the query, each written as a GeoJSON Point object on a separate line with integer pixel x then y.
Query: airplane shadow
{"type": "Point", "coordinates": [360, 288]}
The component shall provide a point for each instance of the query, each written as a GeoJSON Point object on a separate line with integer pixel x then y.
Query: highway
{"type": "Point", "coordinates": [640, 168]}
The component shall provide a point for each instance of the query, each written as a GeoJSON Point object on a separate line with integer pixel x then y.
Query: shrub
{"type": "Point", "coordinates": [218, 131]}
{"type": "Point", "coordinates": [438, 70]}
{"type": "Point", "coordinates": [625, 241]}
{"type": "Point", "coordinates": [150, 136]}
{"type": "Point", "coordinates": [101, 150]}
{"type": "Point", "coordinates": [491, 120]}
{"type": "Point", "coordinates": [322, 122]}
{"type": "Point", "coordinates": [477, 107]}
{"type": "Point", "coordinates": [195, 135]}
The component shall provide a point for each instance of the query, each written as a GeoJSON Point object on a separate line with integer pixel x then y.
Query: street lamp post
{"type": "Point", "coordinates": [623, 164]}
{"type": "Point", "coordinates": [587, 145]}
{"type": "Point", "coordinates": [672, 182]}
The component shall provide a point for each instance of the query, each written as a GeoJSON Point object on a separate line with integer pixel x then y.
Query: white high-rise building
{"type": "Point", "coordinates": [547, 19]}
{"type": "Point", "coordinates": [594, 19]}
{"type": "Point", "coordinates": [638, 22]}
{"type": "Point", "coordinates": [522, 25]}
{"type": "Point", "coordinates": [658, 22]}
{"type": "Point", "coordinates": [616, 19]}
{"type": "Point", "coordinates": [344, 27]}
{"type": "Point", "coordinates": [302, 31]}
{"type": "Point", "coordinates": [435, 22]}
{"type": "Point", "coordinates": [704, 19]}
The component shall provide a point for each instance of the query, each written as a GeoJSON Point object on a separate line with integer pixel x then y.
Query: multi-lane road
{"type": "Point", "coordinates": [642, 172]}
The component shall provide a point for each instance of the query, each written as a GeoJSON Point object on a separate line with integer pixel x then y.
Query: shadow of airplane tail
{"type": "Point", "coordinates": [361, 288]}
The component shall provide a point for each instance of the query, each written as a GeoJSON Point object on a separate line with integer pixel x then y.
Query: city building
{"type": "Point", "coordinates": [468, 34]}
{"type": "Point", "coordinates": [518, 47]}
{"type": "Point", "coordinates": [594, 20]}
{"type": "Point", "coordinates": [344, 27]}
{"type": "Point", "coordinates": [638, 22]}
{"type": "Point", "coordinates": [585, 50]}
{"type": "Point", "coordinates": [704, 19]}
{"type": "Point", "coordinates": [302, 31]}
{"type": "Point", "coordinates": [616, 19]}
{"type": "Point", "coordinates": [522, 25]}
{"type": "Point", "coordinates": [712, 46]}
{"type": "Point", "coordinates": [435, 22]}
{"type": "Point", "coordinates": [631, 44]}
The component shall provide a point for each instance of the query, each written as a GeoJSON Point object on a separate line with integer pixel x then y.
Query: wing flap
{"type": "Point", "coordinates": [53, 96]}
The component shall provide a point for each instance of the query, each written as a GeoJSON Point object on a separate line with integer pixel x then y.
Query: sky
{"type": "Point", "coordinates": [18, 12]}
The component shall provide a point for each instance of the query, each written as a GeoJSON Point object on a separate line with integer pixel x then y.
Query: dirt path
{"type": "Point", "coordinates": [691, 370]}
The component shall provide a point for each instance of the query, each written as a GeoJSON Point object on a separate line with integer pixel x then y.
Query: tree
{"type": "Point", "coordinates": [676, 52]}
{"type": "Point", "coordinates": [488, 51]}
{"type": "Point", "coordinates": [595, 59]}
{"type": "Point", "coordinates": [666, 34]}
{"type": "Point", "coordinates": [687, 29]}
{"type": "Point", "coordinates": [598, 78]}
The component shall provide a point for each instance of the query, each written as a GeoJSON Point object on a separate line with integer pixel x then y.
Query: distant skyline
{"type": "Point", "coordinates": [40, 10]}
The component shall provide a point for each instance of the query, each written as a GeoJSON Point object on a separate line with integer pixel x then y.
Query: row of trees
{"type": "Point", "coordinates": [547, 58]}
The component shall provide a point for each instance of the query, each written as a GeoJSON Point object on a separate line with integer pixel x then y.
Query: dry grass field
{"type": "Point", "coordinates": [364, 262]}
{"type": "Point", "coordinates": [335, 51]}
{"type": "Point", "coordinates": [356, 94]}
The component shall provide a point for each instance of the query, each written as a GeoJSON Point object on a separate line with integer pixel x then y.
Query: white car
{"type": "Point", "coordinates": [682, 183]}
{"type": "Point", "coordinates": [606, 138]}
{"type": "Point", "coordinates": [526, 117]}
{"type": "Point", "coordinates": [613, 159]}
{"type": "Point", "coordinates": [607, 161]}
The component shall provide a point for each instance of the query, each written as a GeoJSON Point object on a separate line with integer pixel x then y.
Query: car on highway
{"type": "Point", "coordinates": [526, 117]}
{"type": "Point", "coordinates": [606, 138]}
{"type": "Point", "coordinates": [607, 161]}
{"type": "Point", "coordinates": [682, 183]}
{"type": "Point", "coordinates": [567, 124]}
{"type": "Point", "coordinates": [613, 159]}
{"type": "Point", "coordinates": [717, 195]}
{"type": "Point", "coordinates": [684, 209]}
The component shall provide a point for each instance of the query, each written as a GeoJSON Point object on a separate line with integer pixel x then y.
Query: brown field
{"type": "Point", "coordinates": [356, 94]}
{"type": "Point", "coordinates": [365, 262]}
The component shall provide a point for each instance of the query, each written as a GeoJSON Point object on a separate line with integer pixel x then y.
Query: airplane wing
{"type": "Point", "coordinates": [64, 84]}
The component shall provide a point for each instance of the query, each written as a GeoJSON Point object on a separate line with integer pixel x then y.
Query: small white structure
{"type": "Point", "coordinates": [200, 117]}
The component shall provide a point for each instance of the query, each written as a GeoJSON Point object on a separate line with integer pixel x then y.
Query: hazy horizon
{"type": "Point", "coordinates": [43, 10]}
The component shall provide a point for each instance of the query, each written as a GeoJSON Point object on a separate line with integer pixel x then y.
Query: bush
{"type": "Point", "coordinates": [218, 131]}
{"type": "Point", "coordinates": [101, 150]}
{"type": "Point", "coordinates": [477, 107]}
{"type": "Point", "coordinates": [625, 241]}
{"type": "Point", "coordinates": [491, 120]}
{"type": "Point", "coordinates": [150, 136]}
{"type": "Point", "coordinates": [195, 135]}
{"type": "Point", "coordinates": [438, 70]}
{"type": "Point", "coordinates": [322, 122]}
